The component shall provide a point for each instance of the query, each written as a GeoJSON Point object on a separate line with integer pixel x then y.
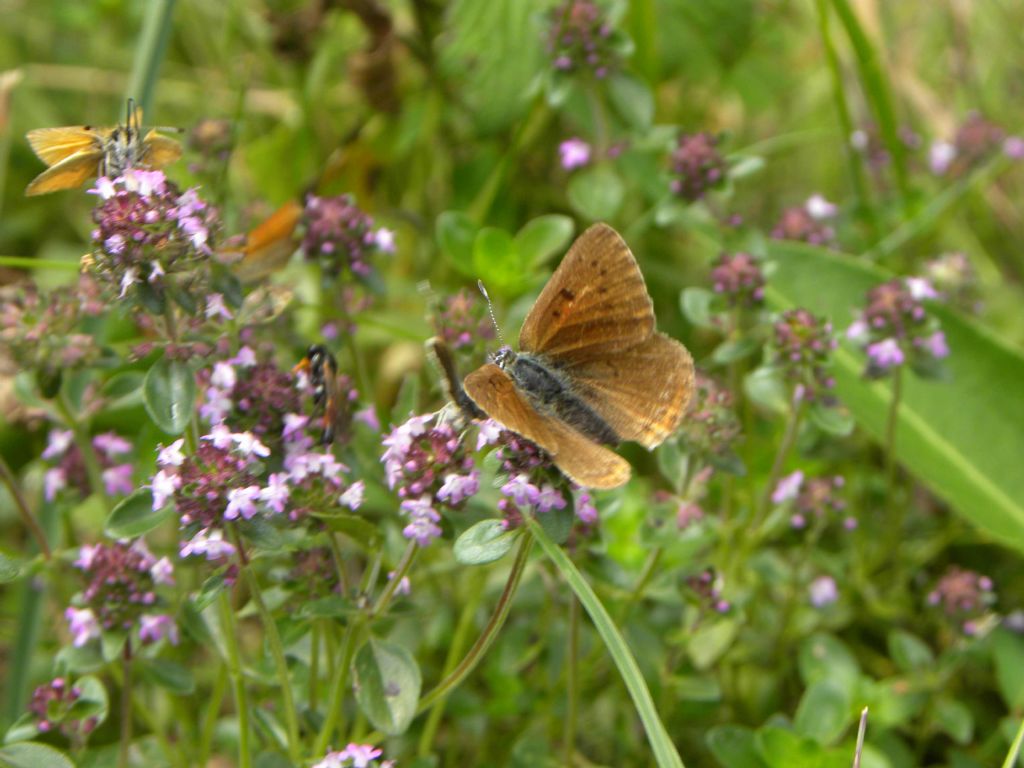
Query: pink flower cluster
{"type": "Point", "coordinates": [111, 449]}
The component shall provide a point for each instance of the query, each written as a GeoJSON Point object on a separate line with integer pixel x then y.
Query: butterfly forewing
{"type": "Point", "coordinates": [595, 304]}
{"type": "Point", "coordinates": [52, 145]}
{"type": "Point", "coordinates": [641, 393]}
{"type": "Point", "coordinates": [579, 458]}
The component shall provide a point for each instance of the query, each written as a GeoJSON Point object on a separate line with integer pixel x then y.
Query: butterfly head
{"type": "Point", "coordinates": [504, 357]}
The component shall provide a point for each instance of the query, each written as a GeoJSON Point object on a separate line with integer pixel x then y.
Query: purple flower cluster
{"type": "Point", "coordinates": [39, 330]}
{"type": "Point", "coordinates": [807, 223]}
{"type": "Point", "coordinates": [427, 466]}
{"type": "Point", "coordinates": [463, 322]}
{"type": "Point", "coordinates": [112, 451]}
{"type": "Point", "coordinates": [895, 329]}
{"type": "Point", "coordinates": [963, 595]}
{"type": "Point", "coordinates": [339, 234]}
{"type": "Point", "coordinates": [580, 39]}
{"type": "Point", "coordinates": [711, 428]}
{"type": "Point", "coordinates": [696, 165]}
{"type": "Point", "coordinates": [706, 587]}
{"type": "Point", "coordinates": [812, 500]}
{"type": "Point", "coordinates": [121, 579]}
{"type": "Point", "coordinates": [354, 756]}
{"type": "Point", "coordinates": [975, 141]}
{"type": "Point", "coordinates": [52, 705]}
{"type": "Point", "coordinates": [822, 591]}
{"type": "Point", "coordinates": [149, 232]}
{"type": "Point", "coordinates": [249, 396]}
{"type": "Point", "coordinates": [802, 346]}
{"type": "Point", "coordinates": [738, 278]}
{"type": "Point", "coordinates": [574, 153]}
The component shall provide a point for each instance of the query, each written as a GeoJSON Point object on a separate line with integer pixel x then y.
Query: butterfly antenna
{"type": "Point", "coordinates": [490, 311]}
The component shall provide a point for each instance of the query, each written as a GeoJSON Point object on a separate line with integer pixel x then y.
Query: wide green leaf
{"type": "Point", "coordinates": [135, 516]}
{"type": "Point", "coordinates": [388, 685]}
{"type": "Point", "coordinates": [543, 237]}
{"type": "Point", "coordinates": [28, 754]}
{"type": "Point", "coordinates": [597, 193]}
{"type": "Point", "coordinates": [964, 437]}
{"type": "Point", "coordinates": [169, 394]}
{"type": "Point", "coordinates": [485, 542]}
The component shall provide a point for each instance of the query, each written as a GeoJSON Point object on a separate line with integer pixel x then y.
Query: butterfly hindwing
{"type": "Point", "coordinates": [581, 459]}
{"type": "Point", "coordinates": [69, 173]}
{"type": "Point", "coordinates": [641, 393]}
{"type": "Point", "coordinates": [595, 304]}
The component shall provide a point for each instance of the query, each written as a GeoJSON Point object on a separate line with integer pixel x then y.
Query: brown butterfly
{"type": "Point", "coordinates": [592, 370]}
{"type": "Point", "coordinates": [268, 246]}
{"type": "Point", "coordinates": [77, 153]}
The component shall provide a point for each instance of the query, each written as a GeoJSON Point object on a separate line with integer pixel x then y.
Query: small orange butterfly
{"type": "Point", "coordinates": [77, 153]}
{"type": "Point", "coordinates": [268, 246]}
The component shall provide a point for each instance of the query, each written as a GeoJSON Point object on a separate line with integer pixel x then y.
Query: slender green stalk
{"type": "Point", "coordinates": [334, 721]}
{"type": "Point", "coordinates": [895, 511]}
{"type": "Point", "coordinates": [411, 550]}
{"type": "Point", "coordinates": [1011, 756]}
{"type": "Point", "coordinates": [31, 262]}
{"type": "Point", "coordinates": [80, 435]}
{"type": "Point", "coordinates": [861, 730]}
{"type": "Point", "coordinates": [126, 706]}
{"type": "Point", "coordinates": [877, 90]}
{"type": "Point", "coordinates": [489, 634]}
{"type": "Point", "coordinates": [460, 637]}
{"type": "Point", "coordinates": [846, 125]}
{"type": "Point", "coordinates": [291, 718]}
{"type": "Point", "coordinates": [230, 626]}
{"type": "Point", "coordinates": [785, 446]}
{"type": "Point", "coordinates": [149, 53]}
{"type": "Point", "coordinates": [664, 750]}
{"type": "Point", "coordinates": [21, 504]}
{"type": "Point", "coordinates": [314, 663]}
{"type": "Point", "coordinates": [572, 682]}
{"type": "Point", "coordinates": [220, 685]}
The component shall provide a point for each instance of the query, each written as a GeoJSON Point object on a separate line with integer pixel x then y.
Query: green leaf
{"type": "Point", "coordinates": [831, 419]}
{"type": "Point", "coordinates": [963, 445]}
{"type": "Point", "coordinates": [357, 528]}
{"type": "Point", "coordinates": [697, 306]}
{"type": "Point", "coordinates": [713, 638]}
{"type": "Point", "coordinates": [823, 657]}
{"type": "Point", "coordinates": [169, 394]}
{"type": "Point", "coordinates": [596, 193]}
{"type": "Point", "coordinates": [497, 260]}
{"type": "Point", "coordinates": [28, 754]}
{"type": "Point", "coordinates": [701, 688]}
{"type": "Point", "coordinates": [93, 701]}
{"type": "Point", "coordinates": [745, 165]}
{"type": "Point", "coordinates": [955, 719]}
{"type": "Point", "coordinates": [632, 100]}
{"type": "Point", "coordinates": [543, 237]}
{"type": "Point", "coordinates": [734, 350]}
{"type": "Point", "coordinates": [330, 607]}
{"type": "Point", "coordinates": [112, 642]}
{"type": "Point", "coordinates": [1008, 655]}
{"type": "Point", "coordinates": [734, 747]}
{"type": "Point", "coordinates": [765, 387]}
{"type": "Point", "coordinates": [455, 233]}
{"type": "Point", "coordinates": [169, 675]}
{"type": "Point", "coordinates": [665, 753]}
{"type": "Point", "coordinates": [10, 569]}
{"type": "Point", "coordinates": [388, 685]}
{"type": "Point", "coordinates": [780, 748]}
{"type": "Point", "coordinates": [557, 523]}
{"type": "Point", "coordinates": [483, 543]}
{"type": "Point", "coordinates": [910, 652]}
{"type": "Point", "coordinates": [135, 516]}
{"type": "Point", "coordinates": [823, 712]}
{"type": "Point", "coordinates": [124, 390]}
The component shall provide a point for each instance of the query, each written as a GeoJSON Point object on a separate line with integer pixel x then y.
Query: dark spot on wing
{"type": "Point", "coordinates": [566, 294]}
{"type": "Point", "coordinates": [604, 272]}
{"type": "Point", "coordinates": [593, 262]}
{"type": "Point", "coordinates": [556, 313]}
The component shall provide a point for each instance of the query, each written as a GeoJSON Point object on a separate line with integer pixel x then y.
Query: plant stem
{"type": "Point", "coordinates": [788, 440]}
{"type": "Point", "coordinates": [212, 715]}
{"type": "Point", "coordinates": [395, 580]}
{"type": "Point", "coordinates": [14, 488]}
{"type": "Point", "coordinates": [93, 470]}
{"type": "Point", "coordinates": [276, 650]}
{"type": "Point", "coordinates": [1011, 756]}
{"type": "Point", "coordinates": [314, 663]}
{"type": "Point", "coordinates": [894, 510]}
{"type": "Point", "coordinates": [149, 52]}
{"type": "Point", "coordinates": [459, 638]}
{"type": "Point", "coordinates": [126, 706]}
{"type": "Point", "coordinates": [227, 617]}
{"type": "Point", "coordinates": [572, 681]}
{"type": "Point", "coordinates": [335, 716]}
{"type": "Point", "coordinates": [489, 634]}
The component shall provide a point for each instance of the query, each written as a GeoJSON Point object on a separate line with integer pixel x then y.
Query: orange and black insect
{"type": "Point", "coordinates": [322, 369]}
